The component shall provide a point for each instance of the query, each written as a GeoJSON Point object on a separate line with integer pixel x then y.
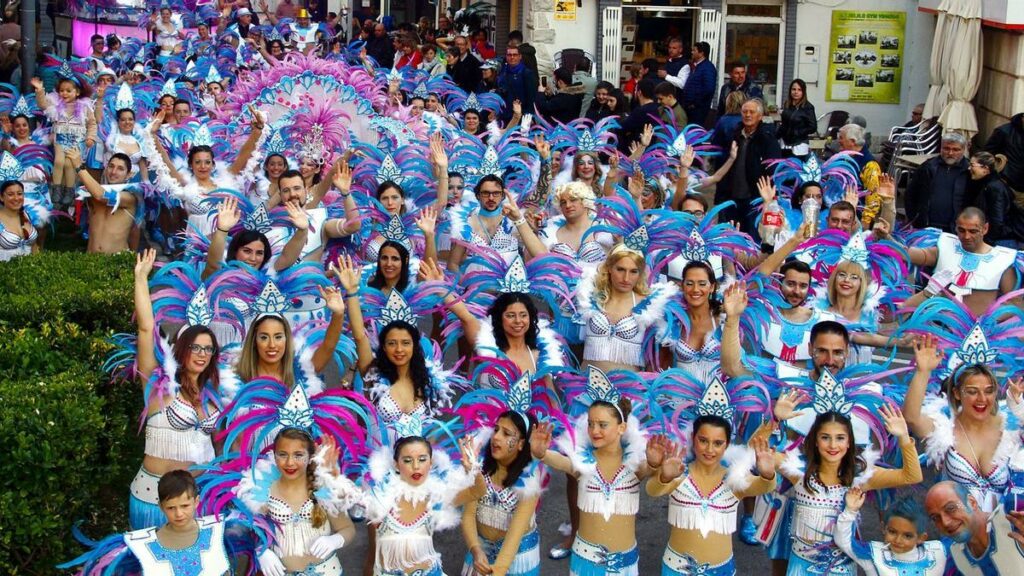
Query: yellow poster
{"type": "Point", "coordinates": [866, 56]}
{"type": "Point", "coordinates": [565, 10]}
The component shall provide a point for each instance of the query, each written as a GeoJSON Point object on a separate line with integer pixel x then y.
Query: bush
{"type": "Point", "coordinates": [66, 456]}
{"type": "Point", "coordinates": [70, 435]}
{"type": "Point", "coordinates": [91, 290]}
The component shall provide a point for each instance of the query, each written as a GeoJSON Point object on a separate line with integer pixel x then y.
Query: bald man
{"type": "Point", "coordinates": [981, 544]}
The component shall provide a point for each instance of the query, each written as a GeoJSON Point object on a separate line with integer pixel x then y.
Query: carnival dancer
{"type": "Point", "coordinates": [706, 487]}
{"type": "Point", "coordinates": [831, 466]}
{"type": "Point", "coordinates": [115, 207]}
{"type": "Point", "coordinates": [192, 188]}
{"type": "Point", "coordinates": [966, 435]}
{"type": "Point", "coordinates": [183, 399]}
{"type": "Point", "coordinates": [982, 543]}
{"type": "Point", "coordinates": [905, 549]}
{"type": "Point", "coordinates": [123, 137]}
{"type": "Point", "coordinates": [966, 267]}
{"type": "Point", "coordinates": [414, 491]}
{"type": "Point", "coordinates": [500, 528]}
{"type": "Point", "coordinates": [184, 544]}
{"type": "Point", "coordinates": [300, 482]}
{"type": "Point", "coordinates": [608, 456]}
{"type": "Point", "coordinates": [70, 112]}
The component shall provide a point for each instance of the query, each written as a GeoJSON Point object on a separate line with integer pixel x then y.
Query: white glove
{"type": "Point", "coordinates": [270, 564]}
{"type": "Point", "coordinates": [939, 281]}
{"type": "Point", "coordinates": [324, 546]}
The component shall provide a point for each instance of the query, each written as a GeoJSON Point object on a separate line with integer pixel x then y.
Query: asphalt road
{"type": "Point", "coordinates": [652, 535]}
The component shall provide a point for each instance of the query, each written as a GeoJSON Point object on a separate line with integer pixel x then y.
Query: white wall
{"type": "Point", "coordinates": [549, 35]}
{"type": "Point", "coordinates": [814, 25]}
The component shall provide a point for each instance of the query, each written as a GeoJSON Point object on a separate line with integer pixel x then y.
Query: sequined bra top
{"type": "Point", "coordinates": [689, 509]}
{"type": "Point", "coordinates": [294, 530]}
{"type": "Point", "coordinates": [179, 433]}
{"type": "Point", "coordinates": [496, 507]}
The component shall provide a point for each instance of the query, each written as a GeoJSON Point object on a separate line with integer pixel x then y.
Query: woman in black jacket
{"type": "Point", "coordinates": [991, 195]}
{"type": "Point", "coordinates": [799, 121]}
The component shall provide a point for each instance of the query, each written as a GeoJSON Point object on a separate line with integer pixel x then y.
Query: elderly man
{"type": "Point", "coordinates": [755, 143]}
{"type": "Point", "coordinates": [464, 67]}
{"type": "Point", "coordinates": [112, 205]}
{"type": "Point", "coordinates": [738, 82]}
{"type": "Point", "coordinates": [966, 266]}
{"type": "Point", "coordinates": [982, 544]}
{"type": "Point", "coordinates": [938, 188]}
{"type": "Point", "coordinates": [1008, 140]}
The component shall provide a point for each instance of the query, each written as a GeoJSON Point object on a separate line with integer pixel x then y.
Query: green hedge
{"type": "Point", "coordinates": [91, 290]}
{"type": "Point", "coordinates": [70, 435]}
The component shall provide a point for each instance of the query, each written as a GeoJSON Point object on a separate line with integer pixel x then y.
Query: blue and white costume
{"type": "Point", "coordinates": [1003, 557]}
{"type": "Point", "coordinates": [876, 559]}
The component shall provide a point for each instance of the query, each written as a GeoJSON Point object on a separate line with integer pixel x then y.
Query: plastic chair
{"type": "Point", "coordinates": [836, 120]}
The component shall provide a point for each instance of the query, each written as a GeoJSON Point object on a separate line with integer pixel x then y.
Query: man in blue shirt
{"type": "Point", "coordinates": [700, 86]}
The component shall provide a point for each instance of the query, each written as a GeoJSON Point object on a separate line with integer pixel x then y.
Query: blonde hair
{"type": "Point", "coordinates": [249, 361]}
{"type": "Point", "coordinates": [850, 268]}
{"type": "Point", "coordinates": [576, 190]}
{"type": "Point", "coordinates": [602, 283]}
{"type": "Point", "coordinates": [956, 381]}
{"type": "Point", "coordinates": [734, 101]}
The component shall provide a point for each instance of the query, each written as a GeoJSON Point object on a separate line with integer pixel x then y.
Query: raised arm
{"type": "Point", "coordinates": [154, 132]}
{"type": "Point", "coordinates": [764, 481]}
{"type": "Point", "coordinates": [846, 527]}
{"type": "Point", "coordinates": [41, 100]}
{"type": "Point", "coordinates": [778, 257]}
{"type": "Point", "coordinates": [540, 440]}
{"type": "Point", "coordinates": [785, 409]}
{"type": "Point", "coordinates": [723, 169]}
{"type": "Point", "coordinates": [910, 473]}
{"type": "Point", "coordinates": [732, 350]}
{"type": "Point", "coordinates": [666, 459]}
{"type": "Point", "coordinates": [471, 465]}
{"type": "Point", "coordinates": [683, 178]}
{"type": "Point", "coordinates": [341, 177]}
{"type": "Point", "coordinates": [334, 302]}
{"type": "Point", "coordinates": [146, 358]}
{"type": "Point", "coordinates": [926, 357]}
{"type": "Point", "coordinates": [228, 216]}
{"type": "Point", "coordinates": [256, 125]}
{"type": "Point", "coordinates": [348, 277]}
{"type": "Point", "coordinates": [534, 247]}
{"type": "Point", "coordinates": [431, 272]}
{"type": "Point", "coordinates": [292, 251]}
{"type": "Point", "coordinates": [537, 199]}
{"type": "Point", "coordinates": [439, 161]}
{"type": "Point", "coordinates": [264, 9]}
{"type": "Point", "coordinates": [427, 221]}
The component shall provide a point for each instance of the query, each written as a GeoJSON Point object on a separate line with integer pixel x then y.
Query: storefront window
{"type": "Point", "coordinates": [754, 10]}
{"type": "Point", "coordinates": [756, 44]}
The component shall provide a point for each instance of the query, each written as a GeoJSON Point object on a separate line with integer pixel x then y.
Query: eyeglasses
{"type": "Point", "coordinates": [200, 350]}
{"type": "Point", "coordinates": [695, 213]}
{"type": "Point", "coordinates": [845, 276]}
{"type": "Point", "coordinates": [489, 193]}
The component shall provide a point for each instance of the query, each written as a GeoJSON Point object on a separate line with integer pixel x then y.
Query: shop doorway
{"type": "Point", "coordinates": [646, 29]}
{"type": "Point", "coordinates": [755, 35]}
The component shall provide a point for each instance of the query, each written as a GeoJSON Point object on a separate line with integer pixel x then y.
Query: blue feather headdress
{"type": "Point", "coordinates": [993, 339]}
{"type": "Point", "coordinates": [548, 277]}
{"type": "Point", "coordinates": [265, 405]}
{"type": "Point", "coordinates": [675, 398]}
{"type": "Point", "coordinates": [655, 234]}
{"type": "Point", "coordinates": [510, 157]}
{"type": "Point", "coordinates": [883, 259]}
{"type": "Point", "coordinates": [509, 390]}
{"type": "Point", "coordinates": [181, 297]}
{"type": "Point", "coordinates": [583, 135]}
{"type": "Point", "coordinates": [835, 175]}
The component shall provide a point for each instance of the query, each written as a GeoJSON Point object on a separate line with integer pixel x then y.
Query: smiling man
{"type": "Point", "coordinates": [981, 544]}
{"type": "Point", "coordinates": [113, 204]}
{"type": "Point", "coordinates": [966, 267]}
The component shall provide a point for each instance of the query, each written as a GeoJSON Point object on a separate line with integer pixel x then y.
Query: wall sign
{"type": "Point", "coordinates": [866, 56]}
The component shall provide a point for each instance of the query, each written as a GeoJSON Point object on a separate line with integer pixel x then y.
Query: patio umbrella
{"type": "Point", "coordinates": [956, 63]}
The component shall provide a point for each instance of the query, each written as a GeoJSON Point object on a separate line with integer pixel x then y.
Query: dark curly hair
{"type": "Point", "coordinates": [417, 364]}
{"type": "Point", "coordinates": [497, 310]}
